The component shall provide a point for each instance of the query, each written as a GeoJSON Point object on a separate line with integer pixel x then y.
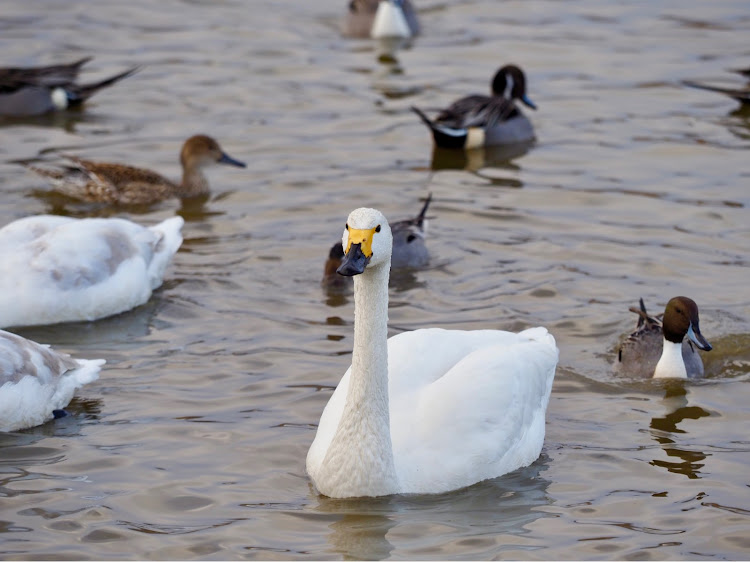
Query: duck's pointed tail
{"type": "Point", "coordinates": [742, 95]}
{"type": "Point", "coordinates": [421, 216]}
{"type": "Point", "coordinates": [80, 93]}
{"type": "Point", "coordinates": [445, 137]}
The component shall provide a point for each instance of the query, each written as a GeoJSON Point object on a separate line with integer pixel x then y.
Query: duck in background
{"type": "Point", "coordinates": [119, 184]}
{"type": "Point", "coordinates": [60, 269]}
{"type": "Point", "coordinates": [36, 382]}
{"type": "Point", "coordinates": [659, 348]}
{"type": "Point", "coordinates": [38, 90]}
{"type": "Point", "coordinates": [431, 410]}
{"type": "Point", "coordinates": [381, 19]}
{"type": "Point", "coordinates": [409, 249]}
{"type": "Point", "coordinates": [477, 120]}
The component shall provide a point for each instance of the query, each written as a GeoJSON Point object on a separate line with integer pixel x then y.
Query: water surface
{"type": "Point", "coordinates": [192, 443]}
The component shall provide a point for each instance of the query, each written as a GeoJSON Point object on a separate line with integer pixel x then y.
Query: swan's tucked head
{"type": "Point", "coordinates": [367, 241]}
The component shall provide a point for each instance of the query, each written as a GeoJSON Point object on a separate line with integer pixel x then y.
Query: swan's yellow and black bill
{"type": "Point", "coordinates": [358, 251]}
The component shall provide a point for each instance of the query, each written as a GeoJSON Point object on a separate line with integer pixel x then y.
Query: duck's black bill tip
{"type": "Point", "coordinates": [527, 101]}
{"type": "Point", "coordinates": [226, 159]}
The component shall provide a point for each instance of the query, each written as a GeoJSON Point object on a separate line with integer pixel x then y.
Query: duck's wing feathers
{"type": "Point", "coordinates": [477, 111]}
{"type": "Point", "coordinates": [12, 79]}
{"type": "Point", "coordinates": [118, 183]}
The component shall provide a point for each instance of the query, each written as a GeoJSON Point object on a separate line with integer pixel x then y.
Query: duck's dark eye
{"type": "Point", "coordinates": [410, 238]}
{"type": "Point", "coordinates": [347, 226]}
{"type": "Point", "coordinates": [377, 228]}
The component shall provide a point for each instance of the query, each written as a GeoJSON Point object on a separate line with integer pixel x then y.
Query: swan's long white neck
{"type": "Point", "coordinates": [361, 449]}
{"type": "Point", "coordinates": [671, 364]}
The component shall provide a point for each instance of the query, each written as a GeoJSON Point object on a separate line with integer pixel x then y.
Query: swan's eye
{"type": "Point", "coordinates": [377, 228]}
{"type": "Point", "coordinates": [411, 238]}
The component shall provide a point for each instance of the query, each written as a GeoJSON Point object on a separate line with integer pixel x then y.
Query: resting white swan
{"type": "Point", "coordinates": [431, 410]}
{"type": "Point", "coordinates": [35, 381]}
{"type": "Point", "coordinates": [59, 269]}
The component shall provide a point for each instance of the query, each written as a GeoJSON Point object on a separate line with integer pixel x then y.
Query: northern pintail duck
{"type": "Point", "coordinates": [120, 184]}
{"type": "Point", "coordinates": [426, 411]}
{"type": "Point", "coordinates": [381, 19]}
{"type": "Point", "coordinates": [742, 95]}
{"type": "Point", "coordinates": [36, 382]}
{"type": "Point", "coordinates": [477, 120]}
{"type": "Point", "coordinates": [37, 90]}
{"type": "Point", "coordinates": [659, 349]}
{"type": "Point", "coordinates": [60, 269]}
{"type": "Point", "coordinates": [409, 249]}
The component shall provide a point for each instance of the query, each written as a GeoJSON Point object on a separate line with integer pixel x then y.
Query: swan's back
{"type": "Point", "coordinates": [36, 380]}
{"type": "Point", "coordinates": [464, 405]}
{"type": "Point", "coordinates": [57, 269]}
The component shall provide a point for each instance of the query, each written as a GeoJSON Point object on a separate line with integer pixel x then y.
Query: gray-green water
{"type": "Point", "coordinates": [192, 443]}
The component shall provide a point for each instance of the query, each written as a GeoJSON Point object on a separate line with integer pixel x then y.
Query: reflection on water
{"type": "Point", "coordinates": [507, 505]}
{"type": "Point", "coordinates": [499, 157]}
{"type": "Point", "coordinates": [664, 430]}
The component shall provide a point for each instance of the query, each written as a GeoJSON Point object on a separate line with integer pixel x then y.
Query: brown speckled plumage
{"type": "Point", "coordinates": [120, 184]}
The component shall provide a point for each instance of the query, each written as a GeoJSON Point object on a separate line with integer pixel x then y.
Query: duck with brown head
{"type": "Point", "coordinates": [120, 184]}
{"type": "Point", "coordinates": [664, 348]}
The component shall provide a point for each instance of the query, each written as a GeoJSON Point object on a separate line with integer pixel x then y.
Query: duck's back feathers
{"type": "Point", "coordinates": [36, 380]}
{"type": "Point", "coordinates": [409, 249]}
{"type": "Point", "coordinates": [59, 269]}
{"type": "Point", "coordinates": [105, 182]}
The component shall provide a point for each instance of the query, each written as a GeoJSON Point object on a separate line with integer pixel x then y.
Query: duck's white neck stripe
{"type": "Point", "coordinates": [509, 83]}
{"type": "Point", "coordinates": [671, 364]}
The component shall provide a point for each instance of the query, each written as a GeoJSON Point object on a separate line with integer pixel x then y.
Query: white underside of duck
{"type": "Point", "coordinates": [671, 364]}
{"type": "Point", "coordinates": [390, 22]}
{"type": "Point", "coordinates": [58, 269]}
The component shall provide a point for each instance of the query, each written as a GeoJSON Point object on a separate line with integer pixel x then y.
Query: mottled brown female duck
{"type": "Point", "coordinates": [119, 184]}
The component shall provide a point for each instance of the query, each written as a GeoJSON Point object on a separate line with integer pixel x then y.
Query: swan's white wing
{"type": "Point", "coordinates": [464, 405]}
{"type": "Point", "coordinates": [484, 417]}
{"type": "Point", "coordinates": [35, 380]}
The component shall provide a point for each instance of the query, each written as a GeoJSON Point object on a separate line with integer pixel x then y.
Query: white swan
{"type": "Point", "coordinates": [59, 269]}
{"type": "Point", "coordinates": [36, 380]}
{"type": "Point", "coordinates": [431, 410]}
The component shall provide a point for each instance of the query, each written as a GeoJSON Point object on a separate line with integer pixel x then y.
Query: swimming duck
{"type": "Point", "coordinates": [41, 89]}
{"type": "Point", "coordinates": [119, 184]}
{"type": "Point", "coordinates": [36, 382]}
{"type": "Point", "coordinates": [659, 348]}
{"type": "Point", "coordinates": [381, 19]}
{"type": "Point", "coordinates": [60, 269]}
{"type": "Point", "coordinates": [430, 410]}
{"type": "Point", "coordinates": [409, 249]}
{"type": "Point", "coordinates": [477, 120]}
